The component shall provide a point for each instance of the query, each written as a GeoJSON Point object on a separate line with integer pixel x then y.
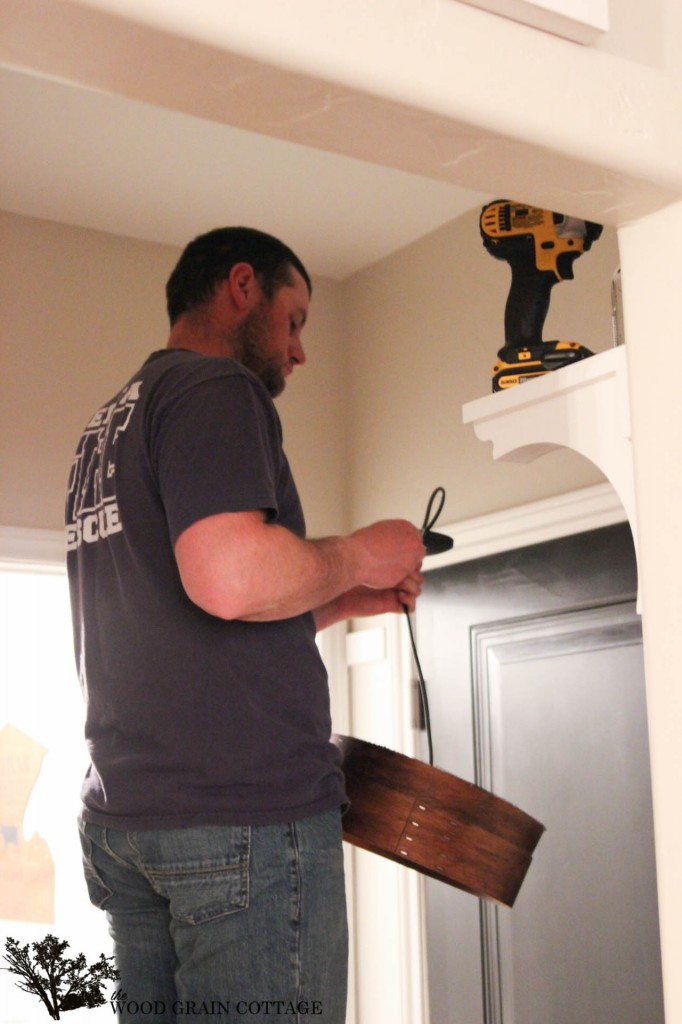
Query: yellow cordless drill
{"type": "Point", "coordinates": [541, 248]}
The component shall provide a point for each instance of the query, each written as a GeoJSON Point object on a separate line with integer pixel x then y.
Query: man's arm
{"type": "Point", "coordinates": [237, 566]}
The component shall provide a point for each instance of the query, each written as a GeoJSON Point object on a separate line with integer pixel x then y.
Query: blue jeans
{"type": "Point", "coordinates": [245, 922]}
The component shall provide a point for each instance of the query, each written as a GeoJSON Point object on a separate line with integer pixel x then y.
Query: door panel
{"type": "Point", "coordinates": [536, 655]}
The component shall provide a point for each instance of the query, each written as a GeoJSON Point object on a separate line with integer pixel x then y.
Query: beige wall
{"type": "Point", "coordinates": [313, 411]}
{"type": "Point", "coordinates": [424, 327]}
{"type": "Point", "coordinates": [61, 314]}
{"type": "Point", "coordinates": [372, 423]}
{"type": "Point", "coordinates": [81, 311]}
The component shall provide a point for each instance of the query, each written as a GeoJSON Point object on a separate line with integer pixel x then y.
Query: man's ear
{"type": "Point", "coordinates": [243, 286]}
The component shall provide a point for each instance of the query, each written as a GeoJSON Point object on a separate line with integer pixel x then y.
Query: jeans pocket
{"type": "Point", "coordinates": [98, 891]}
{"type": "Point", "coordinates": [202, 872]}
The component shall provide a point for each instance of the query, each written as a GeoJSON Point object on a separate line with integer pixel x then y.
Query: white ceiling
{"type": "Point", "coordinates": [100, 161]}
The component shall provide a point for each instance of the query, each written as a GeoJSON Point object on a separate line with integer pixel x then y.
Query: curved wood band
{"type": "Point", "coordinates": [435, 822]}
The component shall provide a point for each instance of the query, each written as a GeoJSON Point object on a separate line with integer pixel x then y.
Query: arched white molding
{"type": "Point", "coordinates": [584, 407]}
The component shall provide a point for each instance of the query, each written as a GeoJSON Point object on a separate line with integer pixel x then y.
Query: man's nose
{"type": "Point", "coordinates": [297, 352]}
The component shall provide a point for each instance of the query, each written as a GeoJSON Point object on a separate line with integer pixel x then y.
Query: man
{"type": "Point", "coordinates": [211, 810]}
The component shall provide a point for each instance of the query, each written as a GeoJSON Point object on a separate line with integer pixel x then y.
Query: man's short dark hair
{"type": "Point", "coordinates": [208, 260]}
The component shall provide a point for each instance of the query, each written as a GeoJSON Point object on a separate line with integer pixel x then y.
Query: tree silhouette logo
{"type": "Point", "coordinates": [59, 982]}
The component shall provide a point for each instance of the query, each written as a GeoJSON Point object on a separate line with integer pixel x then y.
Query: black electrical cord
{"type": "Point", "coordinates": [434, 543]}
{"type": "Point", "coordinates": [431, 517]}
{"type": "Point", "coordinates": [423, 696]}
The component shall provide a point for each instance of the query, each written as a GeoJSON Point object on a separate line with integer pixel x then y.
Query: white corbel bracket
{"type": "Point", "coordinates": [585, 407]}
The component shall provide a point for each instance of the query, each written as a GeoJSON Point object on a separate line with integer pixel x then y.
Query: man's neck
{"type": "Point", "coordinates": [198, 332]}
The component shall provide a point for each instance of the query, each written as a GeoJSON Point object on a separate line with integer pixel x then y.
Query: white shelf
{"type": "Point", "coordinates": [584, 407]}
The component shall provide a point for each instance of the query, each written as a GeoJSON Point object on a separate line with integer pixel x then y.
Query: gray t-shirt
{"type": "Point", "coordinates": [191, 719]}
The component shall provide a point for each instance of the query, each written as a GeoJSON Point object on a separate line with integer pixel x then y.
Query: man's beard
{"type": "Point", "coordinates": [249, 340]}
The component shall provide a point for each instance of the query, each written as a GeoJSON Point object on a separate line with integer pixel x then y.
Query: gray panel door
{"type": "Point", "coordinates": [536, 685]}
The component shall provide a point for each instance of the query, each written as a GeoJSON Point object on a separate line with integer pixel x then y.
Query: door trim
{"type": "Point", "coordinates": [533, 523]}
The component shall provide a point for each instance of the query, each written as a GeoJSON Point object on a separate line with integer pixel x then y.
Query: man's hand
{"type": "Point", "coordinates": [392, 580]}
{"type": "Point", "coordinates": [365, 601]}
{"type": "Point", "coordinates": [393, 550]}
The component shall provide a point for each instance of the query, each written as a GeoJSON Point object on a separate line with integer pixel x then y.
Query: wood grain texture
{"type": "Point", "coordinates": [435, 822]}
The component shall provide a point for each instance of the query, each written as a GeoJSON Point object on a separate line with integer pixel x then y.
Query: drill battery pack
{"type": "Point", "coordinates": [515, 365]}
